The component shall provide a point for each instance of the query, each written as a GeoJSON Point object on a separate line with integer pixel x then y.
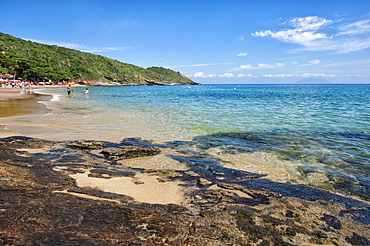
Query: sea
{"type": "Point", "coordinates": [317, 135]}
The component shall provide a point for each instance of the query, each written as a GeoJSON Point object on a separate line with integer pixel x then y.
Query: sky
{"type": "Point", "coordinates": [210, 41]}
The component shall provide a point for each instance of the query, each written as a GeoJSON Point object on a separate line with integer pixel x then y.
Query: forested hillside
{"type": "Point", "coordinates": [35, 61]}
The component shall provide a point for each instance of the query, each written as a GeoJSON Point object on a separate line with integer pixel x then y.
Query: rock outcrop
{"type": "Point", "coordinates": [42, 205]}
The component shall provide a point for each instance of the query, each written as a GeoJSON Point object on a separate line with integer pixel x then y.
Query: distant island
{"type": "Point", "coordinates": [27, 60]}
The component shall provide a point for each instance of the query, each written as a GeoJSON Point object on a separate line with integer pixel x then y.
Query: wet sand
{"type": "Point", "coordinates": [13, 103]}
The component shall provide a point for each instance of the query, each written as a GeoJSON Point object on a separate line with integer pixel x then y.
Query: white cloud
{"type": "Point", "coordinates": [242, 54]}
{"type": "Point", "coordinates": [302, 75]}
{"type": "Point", "coordinates": [348, 75]}
{"type": "Point", "coordinates": [241, 75]}
{"type": "Point", "coordinates": [279, 75]}
{"type": "Point", "coordinates": [355, 28]}
{"type": "Point", "coordinates": [203, 75]}
{"type": "Point", "coordinates": [309, 33]}
{"type": "Point", "coordinates": [200, 75]}
{"type": "Point", "coordinates": [303, 33]}
{"type": "Point", "coordinates": [349, 45]}
{"type": "Point", "coordinates": [313, 62]}
{"type": "Point", "coordinates": [61, 44]}
{"type": "Point", "coordinates": [259, 66]}
{"type": "Point", "coordinates": [227, 75]}
{"type": "Point", "coordinates": [309, 23]}
{"type": "Point", "coordinates": [289, 75]}
{"type": "Point", "coordinates": [317, 75]}
{"type": "Point", "coordinates": [202, 65]}
{"type": "Point", "coordinates": [81, 47]}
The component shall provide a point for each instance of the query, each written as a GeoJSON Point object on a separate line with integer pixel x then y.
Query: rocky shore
{"type": "Point", "coordinates": [45, 202]}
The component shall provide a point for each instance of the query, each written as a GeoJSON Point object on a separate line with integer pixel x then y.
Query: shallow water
{"type": "Point", "coordinates": [23, 105]}
{"type": "Point", "coordinates": [316, 134]}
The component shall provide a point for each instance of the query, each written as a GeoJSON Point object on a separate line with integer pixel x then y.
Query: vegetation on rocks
{"type": "Point", "coordinates": [35, 61]}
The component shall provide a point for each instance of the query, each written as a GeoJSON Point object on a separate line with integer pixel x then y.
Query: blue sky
{"type": "Point", "coordinates": [228, 41]}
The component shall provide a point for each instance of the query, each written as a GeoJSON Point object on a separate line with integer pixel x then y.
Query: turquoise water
{"type": "Point", "coordinates": [209, 109]}
{"type": "Point", "coordinates": [320, 131]}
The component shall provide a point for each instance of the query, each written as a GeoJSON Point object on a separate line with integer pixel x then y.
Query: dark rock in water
{"type": "Point", "coordinates": [40, 204]}
{"type": "Point", "coordinates": [88, 144]}
{"type": "Point", "coordinates": [125, 152]}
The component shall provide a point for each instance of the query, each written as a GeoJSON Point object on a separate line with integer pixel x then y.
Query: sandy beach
{"type": "Point", "coordinates": [8, 98]}
{"type": "Point", "coordinates": [16, 101]}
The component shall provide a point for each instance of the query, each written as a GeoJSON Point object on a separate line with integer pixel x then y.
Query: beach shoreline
{"type": "Point", "coordinates": [18, 101]}
{"type": "Point", "coordinates": [23, 101]}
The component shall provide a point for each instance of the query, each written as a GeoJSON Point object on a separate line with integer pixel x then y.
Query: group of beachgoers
{"type": "Point", "coordinates": [70, 92]}
{"type": "Point", "coordinates": [25, 84]}
{"type": "Point", "coordinates": [16, 85]}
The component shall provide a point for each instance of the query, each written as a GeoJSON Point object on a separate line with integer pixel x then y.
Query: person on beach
{"type": "Point", "coordinates": [87, 91]}
{"type": "Point", "coordinates": [68, 90]}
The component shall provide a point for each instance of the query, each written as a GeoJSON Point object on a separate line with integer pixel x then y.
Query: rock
{"type": "Point", "coordinates": [126, 152]}
{"type": "Point", "coordinates": [87, 144]}
{"type": "Point", "coordinates": [42, 205]}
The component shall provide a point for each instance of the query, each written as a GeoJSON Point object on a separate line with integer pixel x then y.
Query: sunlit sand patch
{"type": "Point", "coordinates": [60, 168]}
{"type": "Point", "coordinates": [143, 187]}
{"type": "Point", "coordinates": [35, 151]}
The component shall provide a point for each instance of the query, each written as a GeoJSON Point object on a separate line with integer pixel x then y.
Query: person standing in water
{"type": "Point", "coordinates": [69, 90]}
{"type": "Point", "coordinates": [87, 91]}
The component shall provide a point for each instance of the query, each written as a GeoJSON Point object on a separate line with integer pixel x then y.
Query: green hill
{"type": "Point", "coordinates": [35, 61]}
